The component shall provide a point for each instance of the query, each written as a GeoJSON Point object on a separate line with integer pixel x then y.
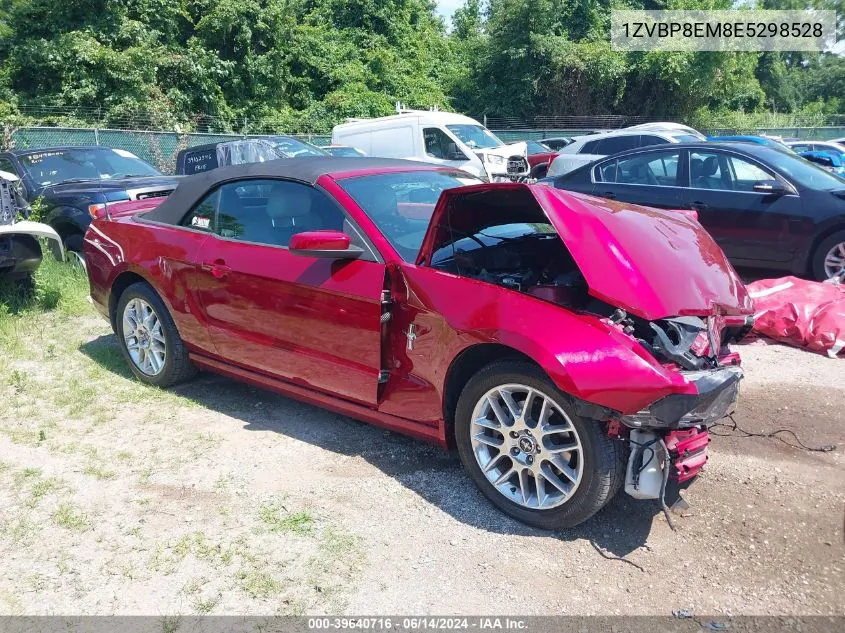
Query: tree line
{"type": "Point", "coordinates": [303, 65]}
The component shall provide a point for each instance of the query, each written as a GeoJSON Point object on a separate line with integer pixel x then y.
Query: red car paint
{"type": "Point", "coordinates": [311, 328]}
{"type": "Point", "coordinates": [688, 452]}
{"type": "Point", "coordinates": [650, 262]}
{"type": "Point", "coordinates": [541, 158]}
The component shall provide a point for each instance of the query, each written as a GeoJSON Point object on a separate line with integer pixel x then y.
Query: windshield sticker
{"type": "Point", "coordinates": [124, 153]}
{"type": "Point", "coordinates": [34, 159]}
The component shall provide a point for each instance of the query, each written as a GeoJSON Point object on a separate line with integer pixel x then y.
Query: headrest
{"type": "Point", "coordinates": [696, 168]}
{"type": "Point", "coordinates": [711, 164]}
{"type": "Point", "coordinates": [287, 201]}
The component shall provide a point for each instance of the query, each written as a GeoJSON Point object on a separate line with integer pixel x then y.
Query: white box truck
{"type": "Point", "coordinates": [443, 138]}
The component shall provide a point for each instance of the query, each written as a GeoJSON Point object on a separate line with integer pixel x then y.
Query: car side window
{"type": "Point", "coordinates": [745, 174]}
{"type": "Point", "coordinates": [265, 211]}
{"type": "Point", "coordinates": [591, 148]}
{"type": "Point", "coordinates": [649, 139]}
{"type": "Point", "coordinates": [714, 170]}
{"type": "Point", "coordinates": [616, 144]}
{"type": "Point", "coordinates": [805, 147]}
{"type": "Point", "coordinates": [203, 216]}
{"type": "Point", "coordinates": [652, 168]}
{"type": "Point", "coordinates": [7, 166]}
{"type": "Point", "coordinates": [436, 143]}
{"type": "Point", "coordinates": [707, 171]}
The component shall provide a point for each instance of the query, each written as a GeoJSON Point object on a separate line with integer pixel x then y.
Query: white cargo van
{"type": "Point", "coordinates": [436, 137]}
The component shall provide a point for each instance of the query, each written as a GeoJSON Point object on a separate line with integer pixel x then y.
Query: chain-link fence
{"type": "Point", "coordinates": [157, 148]}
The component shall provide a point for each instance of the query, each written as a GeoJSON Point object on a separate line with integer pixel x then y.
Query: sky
{"type": "Point", "coordinates": [447, 7]}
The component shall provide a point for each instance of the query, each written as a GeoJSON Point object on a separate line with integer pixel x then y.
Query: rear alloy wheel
{"type": "Point", "coordinates": [144, 337]}
{"type": "Point", "coordinates": [529, 453]}
{"type": "Point", "coordinates": [149, 339]}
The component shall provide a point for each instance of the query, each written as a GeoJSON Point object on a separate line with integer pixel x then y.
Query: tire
{"type": "Point", "coordinates": [73, 249]}
{"type": "Point", "coordinates": [822, 250]}
{"type": "Point", "coordinates": [541, 171]}
{"type": "Point", "coordinates": [601, 459]}
{"type": "Point", "coordinates": [176, 366]}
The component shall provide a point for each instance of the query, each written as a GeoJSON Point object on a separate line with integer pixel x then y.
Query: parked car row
{"type": "Point", "coordinates": [569, 337]}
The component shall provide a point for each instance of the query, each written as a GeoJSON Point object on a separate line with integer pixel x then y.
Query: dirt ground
{"type": "Point", "coordinates": [219, 498]}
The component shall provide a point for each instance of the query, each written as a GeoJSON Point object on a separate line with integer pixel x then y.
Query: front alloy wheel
{"type": "Point", "coordinates": [526, 449]}
{"type": "Point", "coordinates": [526, 446]}
{"type": "Point", "coordinates": [144, 337]}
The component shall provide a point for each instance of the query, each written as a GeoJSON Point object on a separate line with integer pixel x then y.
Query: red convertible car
{"type": "Point", "coordinates": [552, 338]}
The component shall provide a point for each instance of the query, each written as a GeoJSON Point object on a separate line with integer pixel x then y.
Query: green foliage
{"type": "Point", "coordinates": [303, 65]}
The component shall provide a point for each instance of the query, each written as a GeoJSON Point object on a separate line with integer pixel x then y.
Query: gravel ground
{"type": "Point", "coordinates": [219, 498]}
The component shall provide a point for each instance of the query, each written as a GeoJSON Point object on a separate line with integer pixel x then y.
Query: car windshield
{"type": "Point", "coordinates": [804, 172]}
{"type": "Point", "coordinates": [537, 148]}
{"type": "Point", "coordinates": [344, 151]}
{"type": "Point", "coordinates": [293, 147]}
{"type": "Point", "coordinates": [686, 138]}
{"type": "Point", "coordinates": [401, 204]}
{"type": "Point", "coordinates": [475, 136]}
{"type": "Point", "coordinates": [52, 166]}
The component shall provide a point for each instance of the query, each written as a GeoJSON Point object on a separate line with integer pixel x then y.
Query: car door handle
{"type": "Point", "coordinates": [697, 206]}
{"type": "Point", "coordinates": [217, 268]}
{"type": "Point", "coordinates": [609, 195]}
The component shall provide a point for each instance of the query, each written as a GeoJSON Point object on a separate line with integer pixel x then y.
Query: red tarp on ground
{"type": "Point", "coordinates": [803, 313]}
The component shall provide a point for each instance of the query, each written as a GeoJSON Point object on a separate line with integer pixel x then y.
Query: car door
{"type": "Point", "coordinates": [649, 178]}
{"type": "Point", "coordinates": [752, 227]}
{"type": "Point", "coordinates": [312, 321]}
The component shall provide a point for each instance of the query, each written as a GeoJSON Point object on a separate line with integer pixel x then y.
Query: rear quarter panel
{"type": "Point", "coordinates": [162, 255]}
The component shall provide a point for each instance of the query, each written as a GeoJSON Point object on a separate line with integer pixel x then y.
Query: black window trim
{"type": "Point", "coordinates": [373, 256]}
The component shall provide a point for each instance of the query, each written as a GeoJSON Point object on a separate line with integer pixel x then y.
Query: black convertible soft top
{"type": "Point", "coordinates": [306, 169]}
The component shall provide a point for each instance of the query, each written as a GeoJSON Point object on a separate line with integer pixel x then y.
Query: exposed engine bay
{"type": "Point", "coordinates": [532, 258]}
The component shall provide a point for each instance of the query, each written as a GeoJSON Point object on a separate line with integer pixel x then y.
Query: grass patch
{"type": "Point", "coordinates": [278, 519]}
{"type": "Point", "coordinates": [56, 286]}
{"type": "Point", "coordinates": [258, 583]}
{"type": "Point", "coordinates": [70, 518]}
{"type": "Point", "coordinates": [206, 606]}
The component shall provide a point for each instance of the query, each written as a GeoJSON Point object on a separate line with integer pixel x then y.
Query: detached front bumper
{"type": "Point", "coordinates": [20, 256]}
{"type": "Point", "coordinates": [718, 390]}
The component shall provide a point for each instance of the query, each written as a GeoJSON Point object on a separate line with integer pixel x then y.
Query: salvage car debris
{"type": "Point", "coordinates": [20, 252]}
{"type": "Point", "coordinates": [542, 333]}
{"type": "Point", "coordinates": [802, 313]}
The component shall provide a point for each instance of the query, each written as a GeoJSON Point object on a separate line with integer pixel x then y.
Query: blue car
{"type": "Point", "coordinates": [759, 140]}
{"type": "Point", "coordinates": [830, 161]}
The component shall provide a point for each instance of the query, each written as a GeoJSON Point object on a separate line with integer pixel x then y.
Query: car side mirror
{"type": "Point", "coordinates": [770, 188]}
{"type": "Point", "coordinates": [324, 244]}
{"type": "Point", "coordinates": [453, 153]}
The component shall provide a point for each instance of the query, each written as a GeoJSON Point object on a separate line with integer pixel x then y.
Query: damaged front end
{"type": "Point", "coordinates": [654, 276]}
{"type": "Point", "coordinates": [669, 438]}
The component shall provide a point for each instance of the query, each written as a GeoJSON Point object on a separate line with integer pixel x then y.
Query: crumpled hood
{"type": "Point", "coordinates": [650, 262]}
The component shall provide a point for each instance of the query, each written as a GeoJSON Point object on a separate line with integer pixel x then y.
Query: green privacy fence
{"type": "Point", "coordinates": [160, 148]}
{"type": "Point", "coordinates": [157, 148]}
